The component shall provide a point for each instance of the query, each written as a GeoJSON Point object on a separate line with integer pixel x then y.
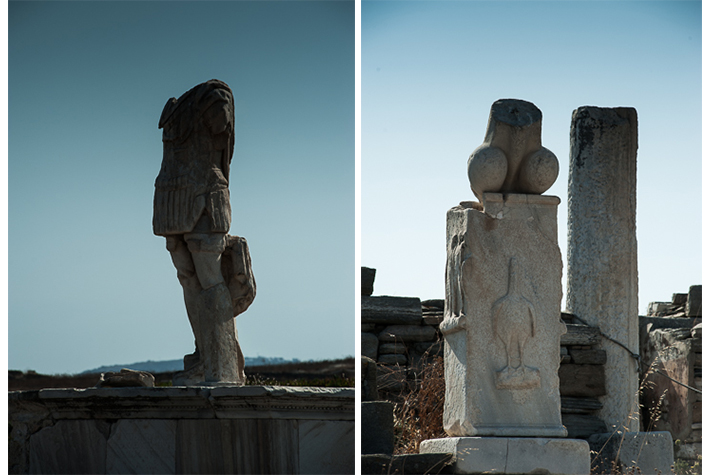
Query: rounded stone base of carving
{"type": "Point", "coordinates": [508, 455]}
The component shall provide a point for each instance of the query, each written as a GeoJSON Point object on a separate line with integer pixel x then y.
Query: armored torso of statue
{"type": "Point", "coordinates": [191, 209]}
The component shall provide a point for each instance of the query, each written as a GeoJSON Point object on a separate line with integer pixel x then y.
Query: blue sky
{"type": "Point", "coordinates": [89, 284]}
{"type": "Point", "coordinates": [430, 72]}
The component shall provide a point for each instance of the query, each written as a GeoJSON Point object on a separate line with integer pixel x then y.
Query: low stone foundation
{"type": "Point", "coordinates": [511, 455]}
{"type": "Point", "coordinates": [250, 429]}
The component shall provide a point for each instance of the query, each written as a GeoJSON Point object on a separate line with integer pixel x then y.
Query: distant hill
{"type": "Point", "coordinates": [170, 366]}
{"type": "Point", "coordinates": [327, 373]}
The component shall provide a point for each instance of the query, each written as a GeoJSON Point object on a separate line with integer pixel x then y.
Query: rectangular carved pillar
{"type": "Point", "coordinates": [502, 323]}
{"type": "Point", "coordinates": [602, 273]}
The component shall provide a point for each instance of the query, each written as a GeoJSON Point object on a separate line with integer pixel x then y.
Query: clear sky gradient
{"type": "Point", "coordinates": [430, 72]}
{"type": "Point", "coordinates": [89, 283]}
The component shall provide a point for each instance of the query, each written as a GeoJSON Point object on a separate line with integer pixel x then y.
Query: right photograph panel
{"type": "Point", "coordinates": [531, 237]}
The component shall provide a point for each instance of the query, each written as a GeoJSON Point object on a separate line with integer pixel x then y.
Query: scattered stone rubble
{"type": "Point", "coordinates": [671, 338]}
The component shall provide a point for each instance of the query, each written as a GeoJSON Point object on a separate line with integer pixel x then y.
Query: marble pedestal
{"type": "Point", "coordinates": [502, 322]}
{"type": "Point", "coordinates": [510, 455]}
{"type": "Point", "coordinates": [249, 429]}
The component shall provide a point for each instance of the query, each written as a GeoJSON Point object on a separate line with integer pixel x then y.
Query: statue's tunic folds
{"type": "Point", "coordinates": [194, 176]}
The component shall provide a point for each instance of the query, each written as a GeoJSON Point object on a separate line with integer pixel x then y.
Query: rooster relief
{"type": "Point", "coordinates": [514, 324]}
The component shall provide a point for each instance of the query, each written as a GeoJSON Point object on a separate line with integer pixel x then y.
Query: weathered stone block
{"type": "Point", "coordinates": [434, 303]}
{"type": "Point", "coordinates": [377, 422]}
{"type": "Point", "coordinates": [432, 319]}
{"type": "Point", "coordinates": [369, 345]}
{"type": "Point", "coordinates": [502, 327]}
{"type": "Point", "coordinates": [679, 299]}
{"type": "Point", "coordinates": [375, 464]}
{"type": "Point", "coordinates": [367, 280]}
{"type": "Point", "coordinates": [75, 446]}
{"type": "Point", "coordinates": [694, 305]}
{"type": "Point", "coordinates": [369, 379]}
{"type": "Point", "coordinates": [593, 357]}
{"type": "Point", "coordinates": [249, 429]}
{"type": "Point", "coordinates": [407, 333]}
{"type": "Point", "coordinates": [675, 357]}
{"type": "Point", "coordinates": [326, 447]}
{"type": "Point", "coordinates": [580, 405]}
{"type": "Point", "coordinates": [142, 446]}
{"type": "Point", "coordinates": [513, 455]}
{"type": "Point", "coordinates": [582, 380]}
{"type": "Point", "coordinates": [697, 331]}
{"type": "Point", "coordinates": [237, 446]}
{"type": "Point", "coordinates": [415, 464]}
{"type": "Point", "coordinates": [580, 335]}
{"type": "Point", "coordinates": [392, 348]}
{"type": "Point", "coordinates": [651, 452]}
{"type": "Point", "coordinates": [657, 309]}
{"type": "Point", "coordinates": [388, 310]}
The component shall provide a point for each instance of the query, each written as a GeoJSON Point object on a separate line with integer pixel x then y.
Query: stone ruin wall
{"type": "Point", "coordinates": [670, 338]}
{"type": "Point", "coordinates": [400, 333]}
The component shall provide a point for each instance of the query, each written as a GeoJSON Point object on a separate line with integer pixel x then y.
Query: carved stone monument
{"type": "Point", "coordinates": [502, 322]}
{"type": "Point", "coordinates": [192, 210]}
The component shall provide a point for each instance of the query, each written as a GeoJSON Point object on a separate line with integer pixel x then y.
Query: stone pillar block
{"type": "Point", "coordinates": [513, 455]}
{"type": "Point", "coordinates": [502, 322]}
{"type": "Point", "coordinates": [377, 421]}
{"type": "Point", "coordinates": [602, 272]}
{"type": "Point", "coordinates": [649, 452]}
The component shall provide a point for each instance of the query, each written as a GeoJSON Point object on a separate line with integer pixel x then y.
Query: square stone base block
{"type": "Point", "coordinates": [649, 452]}
{"type": "Point", "coordinates": [513, 455]}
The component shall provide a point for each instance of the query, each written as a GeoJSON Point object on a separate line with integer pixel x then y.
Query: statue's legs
{"type": "Point", "coordinates": [219, 349]}
{"type": "Point", "coordinates": [182, 260]}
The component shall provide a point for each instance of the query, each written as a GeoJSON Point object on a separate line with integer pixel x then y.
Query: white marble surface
{"type": "Point", "coordinates": [501, 322]}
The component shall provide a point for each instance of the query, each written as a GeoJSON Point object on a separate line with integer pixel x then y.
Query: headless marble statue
{"type": "Point", "coordinates": [191, 209]}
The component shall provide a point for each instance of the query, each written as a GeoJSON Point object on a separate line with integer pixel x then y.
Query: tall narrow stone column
{"type": "Point", "coordinates": [602, 273]}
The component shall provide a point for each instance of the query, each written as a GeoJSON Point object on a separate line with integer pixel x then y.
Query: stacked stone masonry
{"type": "Point", "coordinates": [671, 342]}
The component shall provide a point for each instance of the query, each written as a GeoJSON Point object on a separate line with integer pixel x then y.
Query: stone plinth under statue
{"type": "Point", "coordinates": [250, 429]}
{"type": "Point", "coordinates": [502, 323]}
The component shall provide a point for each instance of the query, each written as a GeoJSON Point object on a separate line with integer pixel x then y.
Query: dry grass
{"type": "Point", "coordinates": [419, 413]}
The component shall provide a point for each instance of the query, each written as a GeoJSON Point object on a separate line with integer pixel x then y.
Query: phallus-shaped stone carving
{"type": "Point", "coordinates": [512, 158]}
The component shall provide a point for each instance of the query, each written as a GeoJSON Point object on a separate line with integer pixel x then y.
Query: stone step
{"type": "Point", "coordinates": [408, 464]}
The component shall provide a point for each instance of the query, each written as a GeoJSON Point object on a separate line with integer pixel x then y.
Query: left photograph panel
{"type": "Point", "coordinates": [181, 237]}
